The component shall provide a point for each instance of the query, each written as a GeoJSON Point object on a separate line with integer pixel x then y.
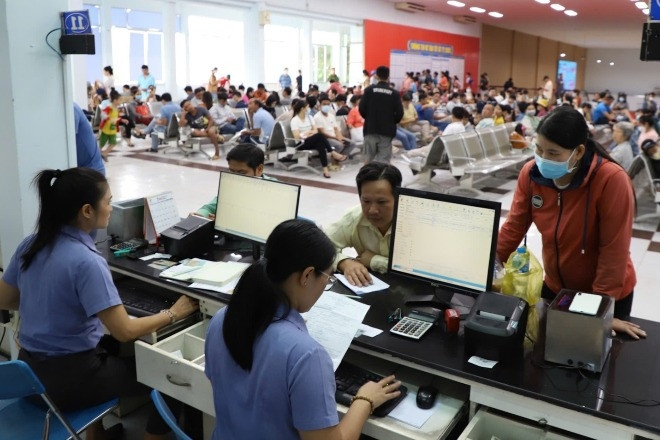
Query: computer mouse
{"type": "Point", "coordinates": [426, 396]}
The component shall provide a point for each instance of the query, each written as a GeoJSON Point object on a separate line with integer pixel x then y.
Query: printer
{"type": "Point", "coordinates": [190, 237]}
{"type": "Point", "coordinates": [576, 336]}
{"type": "Point", "coordinates": [495, 327]}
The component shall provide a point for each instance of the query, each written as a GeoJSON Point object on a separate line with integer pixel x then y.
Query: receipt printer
{"type": "Point", "coordinates": [578, 329]}
{"type": "Point", "coordinates": [495, 327]}
{"type": "Point", "coordinates": [190, 237]}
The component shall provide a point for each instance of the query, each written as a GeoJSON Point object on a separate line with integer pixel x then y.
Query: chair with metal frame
{"type": "Point", "coordinates": [167, 415]}
{"type": "Point", "coordinates": [21, 419]}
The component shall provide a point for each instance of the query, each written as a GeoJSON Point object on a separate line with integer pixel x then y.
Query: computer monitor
{"type": "Point", "coordinates": [446, 241]}
{"type": "Point", "coordinates": [251, 207]}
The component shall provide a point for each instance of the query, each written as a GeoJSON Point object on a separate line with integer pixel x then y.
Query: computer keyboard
{"type": "Point", "coordinates": [143, 303]}
{"type": "Point", "coordinates": [349, 378]}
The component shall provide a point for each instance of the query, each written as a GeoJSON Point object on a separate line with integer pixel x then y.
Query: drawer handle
{"type": "Point", "coordinates": [174, 381]}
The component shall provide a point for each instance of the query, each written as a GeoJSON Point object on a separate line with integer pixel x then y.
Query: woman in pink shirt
{"type": "Point", "coordinates": [647, 125]}
{"type": "Point", "coordinates": [355, 121]}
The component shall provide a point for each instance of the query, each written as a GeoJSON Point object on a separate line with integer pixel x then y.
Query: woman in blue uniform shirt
{"type": "Point", "coordinates": [270, 378]}
{"type": "Point", "coordinates": [64, 292]}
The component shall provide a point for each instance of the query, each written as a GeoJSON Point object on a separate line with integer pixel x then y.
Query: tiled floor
{"type": "Point", "coordinates": [193, 180]}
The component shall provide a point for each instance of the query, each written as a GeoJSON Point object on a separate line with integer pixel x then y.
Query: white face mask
{"type": "Point", "coordinates": [656, 155]}
{"type": "Point", "coordinates": [531, 112]}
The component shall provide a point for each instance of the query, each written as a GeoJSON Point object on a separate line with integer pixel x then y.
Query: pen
{"type": "Point", "coordinates": [353, 296]}
{"type": "Point", "coordinates": [123, 252]}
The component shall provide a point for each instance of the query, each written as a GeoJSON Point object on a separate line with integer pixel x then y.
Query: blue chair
{"type": "Point", "coordinates": [167, 415]}
{"type": "Point", "coordinates": [21, 419]}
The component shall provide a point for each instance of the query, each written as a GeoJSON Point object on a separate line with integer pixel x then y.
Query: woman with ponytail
{"type": "Point", "coordinates": [64, 292]}
{"type": "Point", "coordinates": [582, 203]}
{"type": "Point", "coordinates": [270, 378]}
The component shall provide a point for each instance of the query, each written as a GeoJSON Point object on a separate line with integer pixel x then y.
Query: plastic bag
{"type": "Point", "coordinates": [524, 285]}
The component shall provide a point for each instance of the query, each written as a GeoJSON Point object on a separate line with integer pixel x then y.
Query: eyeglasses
{"type": "Point", "coordinates": [331, 280]}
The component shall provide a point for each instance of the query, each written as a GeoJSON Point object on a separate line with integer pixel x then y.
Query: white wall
{"type": "Point", "coordinates": [628, 74]}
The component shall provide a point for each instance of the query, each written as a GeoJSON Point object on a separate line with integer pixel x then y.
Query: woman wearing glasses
{"type": "Point", "coordinates": [270, 378]}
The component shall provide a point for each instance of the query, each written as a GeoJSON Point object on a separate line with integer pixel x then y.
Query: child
{"type": "Point", "coordinates": [109, 120]}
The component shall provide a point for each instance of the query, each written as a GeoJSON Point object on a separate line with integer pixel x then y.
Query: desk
{"type": "Point", "coordinates": [554, 396]}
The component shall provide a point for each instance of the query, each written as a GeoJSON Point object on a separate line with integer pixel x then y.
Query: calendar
{"type": "Point", "coordinates": [160, 213]}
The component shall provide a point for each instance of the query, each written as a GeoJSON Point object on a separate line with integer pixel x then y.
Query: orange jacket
{"type": "Point", "coordinates": [585, 229]}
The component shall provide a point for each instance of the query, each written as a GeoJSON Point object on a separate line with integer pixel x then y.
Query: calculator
{"type": "Point", "coordinates": [132, 244]}
{"type": "Point", "coordinates": [411, 327]}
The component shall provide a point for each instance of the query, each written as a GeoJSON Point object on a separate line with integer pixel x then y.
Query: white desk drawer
{"type": "Point", "coordinates": [486, 426]}
{"type": "Point", "coordinates": [179, 375]}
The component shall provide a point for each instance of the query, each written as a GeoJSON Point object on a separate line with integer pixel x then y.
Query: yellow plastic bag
{"type": "Point", "coordinates": [524, 285]}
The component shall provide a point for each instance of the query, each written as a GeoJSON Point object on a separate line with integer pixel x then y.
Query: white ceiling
{"type": "Point", "coordinates": [599, 23]}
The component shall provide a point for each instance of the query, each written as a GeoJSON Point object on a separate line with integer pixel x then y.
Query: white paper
{"type": "Point", "coordinates": [333, 322]}
{"type": "Point", "coordinates": [177, 354]}
{"type": "Point", "coordinates": [375, 287]}
{"type": "Point", "coordinates": [184, 270]}
{"type": "Point", "coordinates": [481, 362]}
{"type": "Point", "coordinates": [154, 256]}
{"type": "Point", "coordinates": [227, 288]}
{"type": "Point", "coordinates": [365, 330]}
{"type": "Point", "coordinates": [408, 412]}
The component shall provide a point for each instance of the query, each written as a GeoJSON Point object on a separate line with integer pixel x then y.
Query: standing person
{"type": "Point", "coordinates": [88, 154]}
{"type": "Point", "coordinates": [468, 81]}
{"type": "Point", "coordinates": [483, 82]}
{"type": "Point", "coordinates": [382, 110]}
{"type": "Point", "coordinates": [366, 79]}
{"type": "Point", "coordinates": [108, 79]}
{"type": "Point", "coordinates": [582, 203]}
{"type": "Point", "coordinates": [333, 76]}
{"type": "Point", "coordinates": [285, 79]}
{"type": "Point", "coordinates": [548, 88]}
{"type": "Point", "coordinates": [213, 82]}
{"type": "Point", "coordinates": [299, 81]}
{"type": "Point", "coordinates": [145, 81]}
{"type": "Point", "coordinates": [64, 292]}
{"type": "Point", "coordinates": [259, 353]}
{"type": "Point", "coordinates": [108, 127]}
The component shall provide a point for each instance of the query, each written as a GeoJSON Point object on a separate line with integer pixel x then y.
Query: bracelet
{"type": "Point", "coordinates": [170, 314]}
{"type": "Point", "coordinates": [371, 402]}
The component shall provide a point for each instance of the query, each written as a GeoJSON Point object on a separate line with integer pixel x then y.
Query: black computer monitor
{"type": "Point", "coordinates": [251, 207]}
{"type": "Point", "coordinates": [446, 241]}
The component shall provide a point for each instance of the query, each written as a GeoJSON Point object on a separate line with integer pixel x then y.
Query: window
{"type": "Point", "coordinates": [281, 49]}
{"type": "Point", "coordinates": [137, 39]}
{"type": "Point", "coordinates": [94, 63]}
{"type": "Point", "coordinates": [321, 62]}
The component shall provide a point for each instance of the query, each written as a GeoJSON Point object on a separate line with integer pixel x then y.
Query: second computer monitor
{"type": "Point", "coordinates": [251, 207]}
{"type": "Point", "coordinates": [444, 240]}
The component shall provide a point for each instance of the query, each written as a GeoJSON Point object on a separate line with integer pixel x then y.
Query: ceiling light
{"type": "Point", "coordinates": [477, 10]}
{"type": "Point", "coordinates": [557, 7]}
{"type": "Point", "coordinates": [599, 61]}
{"type": "Point", "coordinates": [543, 2]}
{"type": "Point", "coordinates": [128, 11]}
{"type": "Point", "coordinates": [611, 63]}
{"type": "Point", "coordinates": [570, 12]}
{"type": "Point", "coordinates": [645, 11]}
{"type": "Point", "coordinates": [562, 54]}
{"type": "Point", "coordinates": [642, 5]}
{"type": "Point", "coordinates": [495, 14]}
{"type": "Point", "coordinates": [455, 3]}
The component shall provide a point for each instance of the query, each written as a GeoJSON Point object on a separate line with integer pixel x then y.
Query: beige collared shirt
{"type": "Point", "coordinates": [354, 230]}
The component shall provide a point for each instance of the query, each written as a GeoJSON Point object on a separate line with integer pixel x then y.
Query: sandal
{"type": "Point", "coordinates": [342, 158]}
{"type": "Point", "coordinates": [327, 176]}
{"type": "Point", "coordinates": [215, 157]}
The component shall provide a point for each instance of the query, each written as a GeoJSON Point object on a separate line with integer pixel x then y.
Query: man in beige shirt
{"type": "Point", "coordinates": [367, 228]}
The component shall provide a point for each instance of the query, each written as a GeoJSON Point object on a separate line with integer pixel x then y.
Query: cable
{"type": "Point", "coordinates": [54, 50]}
{"type": "Point", "coordinates": [4, 330]}
{"type": "Point", "coordinates": [109, 237]}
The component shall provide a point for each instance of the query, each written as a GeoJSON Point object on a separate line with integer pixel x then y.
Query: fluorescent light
{"type": "Point", "coordinates": [611, 63]}
{"type": "Point", "coordinates": [128, 11]}
{"type": "Point", "coordinates": [543, 2]}
{"type": "Point", "coordinates": [455, 3]}
{"type": "Point", "coordinates": [642, 5]}
{"type": "Point", "coordinates": [495, 14]}
{"type": "Point", "coordinates": [599, 61]}
{"type": "Point", "coordinates": [562, 54]}
{"type": "Point", "coordinates": [570, 12]}
{"type": "Point", "coordinates": [477, 10]}
{"type": "Point", "coordinates": [645, 11]}
{"type": "Point", "coordinates": [557, 7]}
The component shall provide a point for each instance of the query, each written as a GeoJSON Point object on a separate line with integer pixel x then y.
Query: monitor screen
{"type": "Point", "coordinates": [446, 240]}
{"type": "Point", "coordinates": [251, 207]}
{"type": "Point", "coordinates": [568, 71]}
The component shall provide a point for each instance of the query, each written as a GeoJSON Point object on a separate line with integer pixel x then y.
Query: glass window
{"type": "Point", "coordinates": [119, 18]}
{"type": "Point", "coordinates": [137, 39]}
{"type": "Point", "coordinates": [94, 63]}
{"type": "Point", "coordinates": [281, 49]}
{"type": "Point", "coordinates": [136, 54]}
{"type": "Point", "coordinates": [152, 21]}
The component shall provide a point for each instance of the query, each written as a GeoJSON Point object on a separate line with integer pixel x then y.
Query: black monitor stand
{"type": "Point", "coordinates": [442, 299]}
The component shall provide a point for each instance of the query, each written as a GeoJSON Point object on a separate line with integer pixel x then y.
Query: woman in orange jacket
{"type": "Point", "coordinates": [582, 203]}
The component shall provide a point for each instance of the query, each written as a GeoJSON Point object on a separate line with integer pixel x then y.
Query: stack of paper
{"type": "Point", "coordinates": [184, 270]}
{"type": "Point", "coordinates": [219, 273]}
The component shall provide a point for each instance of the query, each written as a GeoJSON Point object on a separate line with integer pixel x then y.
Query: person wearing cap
{"type": "Point", "coordinates": [382, 110]}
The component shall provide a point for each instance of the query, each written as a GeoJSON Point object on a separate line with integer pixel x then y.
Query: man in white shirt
{"type": "Point", "coordinates": [367, 228]}
{"type": "Point", "coordinates": [456, 126]}
{"type": "Point", "coordinates": [486, 117]}
{"type": "Point", "coordinates": [548, 87]}
{"type": "Point", "coordinates": [224, 117]}
{"type": "Point", "coordinates": [326, 122]}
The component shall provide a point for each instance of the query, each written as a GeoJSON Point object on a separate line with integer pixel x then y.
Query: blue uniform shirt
{"type": "Point", "coordinates": [168, 110]}
{"type": "Point", "coordinates": [61, 292]}
{"type": "Point", "coordinates": [598, 115]}
{"type": "Point", "coordinates": [143, 83]}
{"type": "Point", "coordinates": [291, 385]}
{"type": "Point", "coordinates": [87, 150]}
{"type": "Point", "coordinates": [263, 120]}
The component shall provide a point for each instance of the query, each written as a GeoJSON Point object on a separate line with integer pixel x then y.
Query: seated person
{"type": "Point", "coordinates": [647, 129]}
{"type": "Point", "coordinates": [237, 100]}
{"type": "Point", "coordinates": [498, 115]}
{"type": "Point", "coordinates": [355, 121]}
{"type": "Point", "coordinates": [245, 159]}
{"type": "Point", "coordinates": [603, 114]}
{"type": "Point", "coordinates": [326, 123]}
{"type": "Point", "coordinates": [261, 94]}
{"type": "Point", "coordinates": [652, 150]}
{"type": "Point", "coordinates": [413, 123]}
{"type": "Point", "coordinates": [262, 123]}
{"type": "Point", "coordinates": [197, 100]}
{"type": "Point", "coordinates": [65, 294]}
{"type": "Point", "coordinates": [459, 117]}
{"type": "Point", "coordinates": [201, 124]}
{"type": "Point", "coordinates": [530, 121]}
{"type": "Point", "coordinates": [224, 117]}
{"type": "Point", "coordinates": [622, 151]}
{"type": "Point", "coordinates": [159, 123]}
{"type": "Point", "coordinates": [486, 117]}
{"type": "Point", "coordinates": [286, 96]}
{"type": "Point", "coordinates": [342, 108]}
{"type": "Point", "coordinates": [367, 228]}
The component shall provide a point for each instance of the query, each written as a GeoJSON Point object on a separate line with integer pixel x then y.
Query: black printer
{"type": "Point", "coordinates": [495, 328]}
{"type": "Point", "coordinates": [190, 237]}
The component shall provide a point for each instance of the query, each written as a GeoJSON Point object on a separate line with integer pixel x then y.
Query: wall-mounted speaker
{"type": "Point", "coordinates": [81, 44]}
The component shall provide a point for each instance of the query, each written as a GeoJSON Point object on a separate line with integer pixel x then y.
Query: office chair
{"type": "Point", "coordinates": [167, 415]}
{"type": "Point", "coordinates": [23, 420]}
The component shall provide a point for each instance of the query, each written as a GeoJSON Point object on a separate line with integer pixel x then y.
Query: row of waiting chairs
{"type": "Point", "coordinates": [473, 154]}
